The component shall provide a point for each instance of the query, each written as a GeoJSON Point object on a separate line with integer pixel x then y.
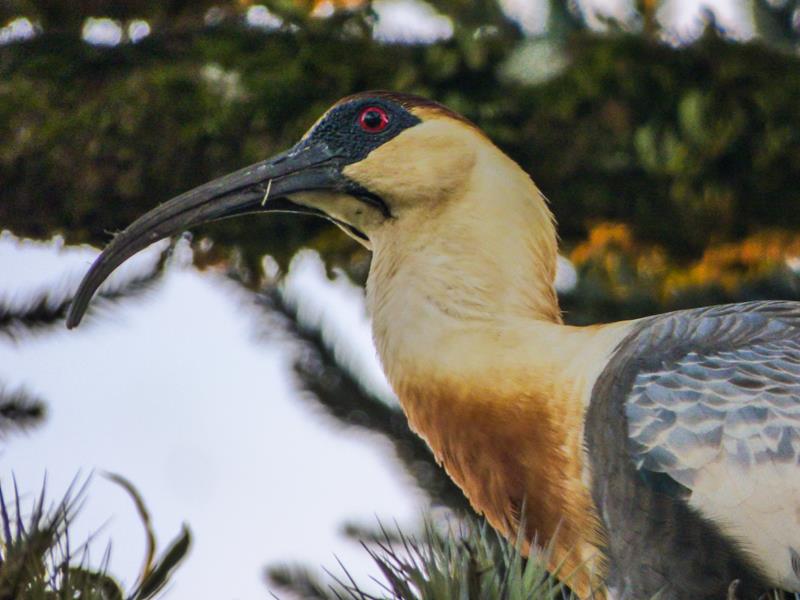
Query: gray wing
{"type": "Point", "coordinates": [721, 383]}
{"type": "Point", "coordinates": [710, 400]}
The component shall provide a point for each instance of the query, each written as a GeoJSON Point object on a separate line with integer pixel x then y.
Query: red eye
{"type": "Point", "coordinates": [373, 119]}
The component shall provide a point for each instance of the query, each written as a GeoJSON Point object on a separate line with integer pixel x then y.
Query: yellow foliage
{"type": "Point", "coordinates": [730, 265]}
{"type": "Point", "coordinates": [602, 238]}
{"type": "Point", "coordinates": [613, 255]}
{"type": "Point", "coordinates": [615, 260]}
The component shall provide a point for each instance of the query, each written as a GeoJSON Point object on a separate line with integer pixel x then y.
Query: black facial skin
{"type": "Point", "coordinates": [341, 132]}
{"type": "Point", "coordinates": [341, 135]}
{"type": "Point", "coordinates": [315, 163]}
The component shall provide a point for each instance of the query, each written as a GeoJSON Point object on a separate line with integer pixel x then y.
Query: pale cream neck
{"type": "Point", "coordinates": [469, 271]}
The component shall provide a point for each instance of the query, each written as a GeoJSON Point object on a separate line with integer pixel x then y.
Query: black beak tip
{"type": "Point", "coordinates": [74, 314]}
{"type": "Point", "coordinates": [73, 320]}
{"type": "Point", "coordinates": [89, 284]}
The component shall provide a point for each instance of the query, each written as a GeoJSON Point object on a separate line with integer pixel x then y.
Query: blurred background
{"type": "Point", "coordinates": [230, 376]}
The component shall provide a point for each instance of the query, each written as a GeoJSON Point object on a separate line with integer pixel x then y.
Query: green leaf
{"type": "Point", "coordinates": [164, 566]}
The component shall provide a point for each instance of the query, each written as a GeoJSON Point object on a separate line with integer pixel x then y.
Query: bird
{"type": "Point", "coordinates": [657, 457]}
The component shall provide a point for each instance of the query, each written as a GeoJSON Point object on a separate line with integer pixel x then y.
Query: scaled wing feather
{"type": "Point", "coordinates": [715, 405]}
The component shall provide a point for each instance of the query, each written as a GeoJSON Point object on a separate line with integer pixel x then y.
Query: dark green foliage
{"type": "Point", "coordinates": [38, 562]}
{"type": "Point", "coordinates": [19, 411]}
{"type": "Point", "coordinates": [68, 16]}
{"type": "Point", "coordinates": [778, 22]}
{"type": "Point", "coordinates": [466, 561]}
{"type": "Point", "coordinates": [690, 145]}
{"type": "Point", "coordinates": [478, 564]}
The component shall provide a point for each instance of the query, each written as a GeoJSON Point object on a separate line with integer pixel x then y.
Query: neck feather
{"type": "Point", "coordinates": [482, 259]}
{"type": "Point", "coordinates": [466, 322]}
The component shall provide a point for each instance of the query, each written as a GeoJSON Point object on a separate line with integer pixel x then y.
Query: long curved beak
{"type": "Point", "coordinates": [261, 187]}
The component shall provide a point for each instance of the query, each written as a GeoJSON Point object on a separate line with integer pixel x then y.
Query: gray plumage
{"type": "Point", "coordinates": [686, 394]}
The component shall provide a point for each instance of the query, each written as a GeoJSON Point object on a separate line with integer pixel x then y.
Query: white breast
{"type": "Point", "coordinates": [759, 507]}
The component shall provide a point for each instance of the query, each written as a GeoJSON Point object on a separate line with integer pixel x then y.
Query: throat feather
{"type": "Point", "coordinates": [507, 454]}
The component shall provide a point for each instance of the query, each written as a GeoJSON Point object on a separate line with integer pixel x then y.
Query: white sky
{"type": "Point", "coordinates": [175, 391]}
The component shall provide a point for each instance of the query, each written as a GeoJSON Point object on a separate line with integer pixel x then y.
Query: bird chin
{"type": "Point", "coordinates": [354, 213]}
{"type": "Point", "coordinates": [284, 205]}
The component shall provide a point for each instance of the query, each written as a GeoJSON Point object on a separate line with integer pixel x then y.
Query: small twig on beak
{"type": "Point", "coordinates": [266, 195]}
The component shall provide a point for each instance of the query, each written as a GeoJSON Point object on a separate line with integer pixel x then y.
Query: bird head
{"type": "Point", "coordinates": [372, 160]}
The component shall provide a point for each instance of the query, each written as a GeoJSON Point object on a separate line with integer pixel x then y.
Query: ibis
{"type": "Point", "coordinates": [658, 456]}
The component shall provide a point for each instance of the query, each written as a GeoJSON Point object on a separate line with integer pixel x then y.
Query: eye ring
{"type": "Point", "coordinates": [373, 119]}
